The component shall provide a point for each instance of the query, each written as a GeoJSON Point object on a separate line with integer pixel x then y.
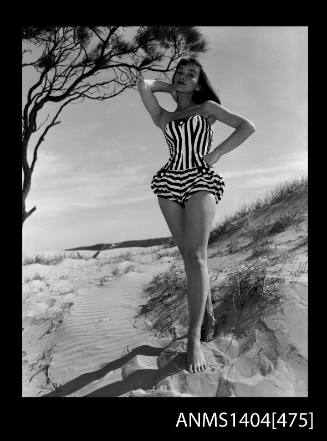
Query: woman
{"type": "Point", "coordinates": [187, 187]}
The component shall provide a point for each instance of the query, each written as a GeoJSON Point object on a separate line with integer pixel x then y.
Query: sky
{"type": "Point", "coordinates": [91, 182]}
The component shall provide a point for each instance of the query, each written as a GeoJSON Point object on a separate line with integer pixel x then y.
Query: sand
{"type": "Point", "coordinates": [81, 337]}
{"type": "Point", "coordinates": [79, 316]}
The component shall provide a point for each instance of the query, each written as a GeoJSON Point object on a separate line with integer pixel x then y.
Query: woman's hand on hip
{"type": "Point", "coordinates": [208, 159]}
{"type": "Point", "coordinates": [212, 158]}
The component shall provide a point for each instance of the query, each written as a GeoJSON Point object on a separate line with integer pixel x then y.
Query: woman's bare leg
{"type": "Point", "coordinates": [174, 215]}
{"type": "Point", "coordinates": [199, 214]}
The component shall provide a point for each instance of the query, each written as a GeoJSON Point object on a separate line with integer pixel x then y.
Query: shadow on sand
{"type": "Point", "coordinates": [141, 378]}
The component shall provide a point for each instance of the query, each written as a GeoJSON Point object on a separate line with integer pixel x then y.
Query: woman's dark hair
{"type": "Point", "coordinates": [206, 92]}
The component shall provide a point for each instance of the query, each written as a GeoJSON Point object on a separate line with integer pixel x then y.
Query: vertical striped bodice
{"type": "Point", "coordinates": [188, 140]}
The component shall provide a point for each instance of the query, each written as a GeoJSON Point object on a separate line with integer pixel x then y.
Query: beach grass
{"type": "Point", "coordinates": [35, 276]}
{"type": "Point", "coordinates": [51, 260]}
{"type": "Point", "coordinates": [246, 297]}
{"type": "Point", "coordinates": [166, 301]}
{"type": "Point", "coordinates": [280, 193]}
{"type": "Point", "coordinates": [262, 248]}
{"type": "Point", "coordinates": [240, 301]}
{"type": "Point", "coordinates": [118, 270]}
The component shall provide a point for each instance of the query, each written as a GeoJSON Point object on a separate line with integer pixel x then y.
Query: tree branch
{"type": "Point", "coordinates": [53, 123]}
{"type": "Point", "coordinates": [71, 68]}
{"type": "Point", "coordinates": [29, 212]}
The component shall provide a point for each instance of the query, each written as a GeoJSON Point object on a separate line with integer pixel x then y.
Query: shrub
{"type": "Point", "coordinates": [248, 295]}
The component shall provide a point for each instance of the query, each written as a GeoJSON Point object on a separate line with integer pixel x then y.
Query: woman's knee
{"type": "Point", "coordinates": [196, 256]}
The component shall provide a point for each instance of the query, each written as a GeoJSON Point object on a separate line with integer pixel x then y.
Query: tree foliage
{"type": "Point", "coordinates": [74, 63]}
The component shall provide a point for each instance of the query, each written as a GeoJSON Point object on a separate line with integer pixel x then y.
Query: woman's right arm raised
{"type": "Point", "coordinates": [147, 89]}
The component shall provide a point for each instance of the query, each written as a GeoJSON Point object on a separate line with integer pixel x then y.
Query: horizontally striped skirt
{"type": "Point", "coordinates": [179, 185]}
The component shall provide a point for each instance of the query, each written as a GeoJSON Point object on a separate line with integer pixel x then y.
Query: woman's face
{"type": "Point", "coordinates": [186, 78]}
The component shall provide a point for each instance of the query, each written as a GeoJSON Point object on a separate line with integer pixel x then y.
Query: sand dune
{"type": "Point", "coordinates": [82, 320]}
{"type": "Point", "coordinates": [86, 333]}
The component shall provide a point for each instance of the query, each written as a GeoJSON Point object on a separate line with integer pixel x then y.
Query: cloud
{"type": "Point", "coordinates": [63, 192]}
{"type": "Point", "coordinates": [292, 163]}
{"type": "Point", "coordinates": [123, 201]}
{"type": "Point", "coordinates": [270, 181]}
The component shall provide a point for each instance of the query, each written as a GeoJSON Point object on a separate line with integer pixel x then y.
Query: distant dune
{"type": "Point", "coordinates": [115, 324]}
{"type": "Point", "coordinates": [125, 244]}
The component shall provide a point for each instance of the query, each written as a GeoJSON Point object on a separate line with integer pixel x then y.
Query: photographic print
{"type": "Point", "coordinates": [164, 211]}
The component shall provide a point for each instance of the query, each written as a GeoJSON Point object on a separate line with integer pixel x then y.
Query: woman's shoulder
{"type": "Point", "coordinates": [210, 105]}
{"type": "Point", "coordinates": [208, 108]}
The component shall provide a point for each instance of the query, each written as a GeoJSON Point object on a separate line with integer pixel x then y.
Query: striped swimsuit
{"type": "Point", "coordinates": [186, 172]}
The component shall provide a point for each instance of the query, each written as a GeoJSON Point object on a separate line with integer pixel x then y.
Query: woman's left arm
{"type": "Point", "coordinates": [243, 129]}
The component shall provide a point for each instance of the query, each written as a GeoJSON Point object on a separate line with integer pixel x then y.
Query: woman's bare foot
{"type": "Point", "coordinates": [196, 361]}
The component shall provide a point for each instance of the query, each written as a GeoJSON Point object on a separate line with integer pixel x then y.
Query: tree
{"type": "Point", "coordinates": [72, 63]}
